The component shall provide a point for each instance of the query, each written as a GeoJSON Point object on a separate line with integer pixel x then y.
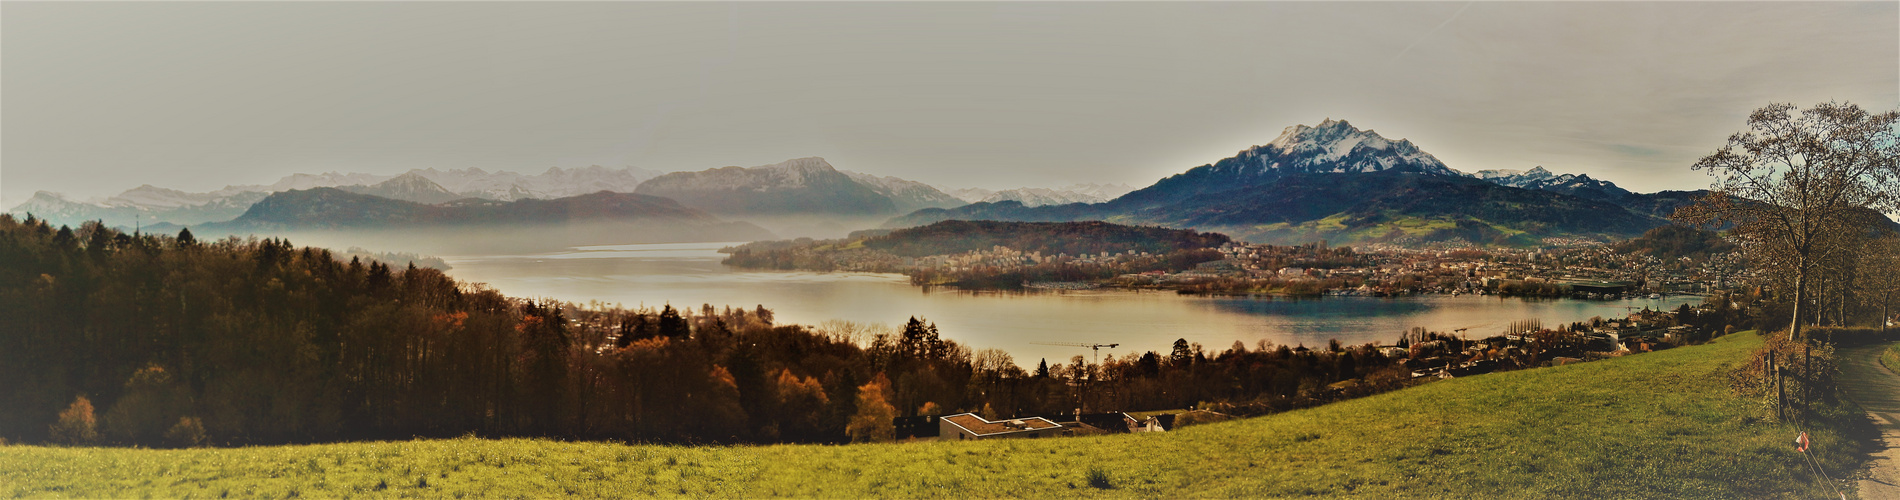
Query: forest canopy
{"type": "Point", "coordinates": [142, 339]}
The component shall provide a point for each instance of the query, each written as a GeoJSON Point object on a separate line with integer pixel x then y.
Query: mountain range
{"type": "Point", "coordinates": [1346, 185]}
{"type": "Point", "coordinates": [1331, 181]}
{"type": "Point", "coordinates": [149, 204]}
{"type": "Point", "coordinates": [802, 186]}
{"type": "Point", "coordinates": [603, 217]}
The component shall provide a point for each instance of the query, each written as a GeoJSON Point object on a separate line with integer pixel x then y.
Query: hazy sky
{"type": "Point", "coordinates": [96, 98]}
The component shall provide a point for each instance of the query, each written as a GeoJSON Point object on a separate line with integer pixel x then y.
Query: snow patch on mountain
{"type": "Point", "coordinates": [907, 195]}
{"type": "Point", "coordinates": [1543, 179]}
{"type": "Point", "coordinates": [1033, 196]}
{"type": "Point", "coordinates": [408, 187]}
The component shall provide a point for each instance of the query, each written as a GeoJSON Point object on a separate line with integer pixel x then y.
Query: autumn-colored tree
{"type": "Point", "coordinates": [76, 425]}
{"type": "Point", "coordinates": [873, 423]}
{"type": "Point", "coordinates": [801, 405]}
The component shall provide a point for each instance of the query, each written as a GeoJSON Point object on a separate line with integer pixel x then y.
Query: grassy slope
{"type": "Point", "coordinates": [1661, 424]}
{"type": "Point", "coordinates": [1890, 358]}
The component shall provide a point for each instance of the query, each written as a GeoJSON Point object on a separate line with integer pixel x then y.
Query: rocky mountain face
{"type": "Point", "coordinates": [801, 186]}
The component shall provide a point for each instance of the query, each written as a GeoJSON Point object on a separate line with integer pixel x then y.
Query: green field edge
{"type": "Point", "coordinates": [1663, 424]}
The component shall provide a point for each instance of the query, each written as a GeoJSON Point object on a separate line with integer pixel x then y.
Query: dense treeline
{"type": "Point", "coordinates": [149, 339]}
{"type": "Point", "coordinates": [1051, 238]}
{"type": "Point", "coordinates": [992, 254]}
{"type": "Point", "coordinates": [255, 341]}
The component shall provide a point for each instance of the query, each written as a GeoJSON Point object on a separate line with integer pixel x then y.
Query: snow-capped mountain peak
{"type": "Point", "coordinates": [410, 186]}
{"type": "Point", "coordinates": [1333, 146]}
{"type": "Point", "coordinates": [1541, 178]}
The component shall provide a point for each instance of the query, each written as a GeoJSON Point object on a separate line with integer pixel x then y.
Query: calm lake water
{"type": "Point", "coordinates": [690, 274]}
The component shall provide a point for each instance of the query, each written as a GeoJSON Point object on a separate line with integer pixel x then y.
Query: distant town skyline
{"type": "Point", "coordinates": [103, 97]}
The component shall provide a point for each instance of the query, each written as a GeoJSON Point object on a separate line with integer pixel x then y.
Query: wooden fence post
{"type": "Point", "coordinates": [1774, 374]}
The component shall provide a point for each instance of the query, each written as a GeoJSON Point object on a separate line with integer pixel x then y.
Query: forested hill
{"type": "Point", "coordinates": [1051, 238]}
{"type": "Point", "coordinates": [115, 338]}
{"type": "Point", "coordinates": [992, 254]}
{"type": "Point", "coordinates": [1394, 206]}
{"type": "Point", "coordinates": [1676, 241]}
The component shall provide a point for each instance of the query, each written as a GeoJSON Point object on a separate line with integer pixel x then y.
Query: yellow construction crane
{"type": "Point", "coordinates": [1096, 347]}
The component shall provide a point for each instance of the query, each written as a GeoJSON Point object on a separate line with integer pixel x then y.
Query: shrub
{"type": "Point", "coordinates": [152, 403]}
{"type": "Point", "coordinates": [1807, 369]}
{"type": "Point", "coordinates": [187, 433]}
{"type": "Point", "coordinates": [76, 425]}
{"type": "Point", "coordinates": [1197, 417]}
{"type": "Point", "coordinates": [1098, 478]}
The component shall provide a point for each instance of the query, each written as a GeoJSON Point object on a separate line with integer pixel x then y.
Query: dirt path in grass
{"type": "Point", "coordinates": [1878, 391]}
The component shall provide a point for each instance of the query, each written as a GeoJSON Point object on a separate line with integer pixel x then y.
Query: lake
{"type": "Point", "coordinates": [690, 274]}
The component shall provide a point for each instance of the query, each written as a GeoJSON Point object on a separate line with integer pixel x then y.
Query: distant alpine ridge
{"type": "Point", "coordinates": [804, 186]}
{"type": "Point", "coordinates": [603, 217]}
{"type": "Point", "coordinates": [1035, 197]}
{"type": "Point", "coordinates": [147, 205]}
{"type": "Point", "coordinates": [1345, 185]}
{"type": "Point", "coordinates": [800, 187]}
{"type": "Point", "coordinates": [1570, 184]}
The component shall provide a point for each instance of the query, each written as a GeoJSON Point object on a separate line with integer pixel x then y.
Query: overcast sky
{"type": "Point", "coordinates": [96, 98]}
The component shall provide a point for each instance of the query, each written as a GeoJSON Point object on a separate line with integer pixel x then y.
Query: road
{"type": "Point", "coordinates": [1878, 391]}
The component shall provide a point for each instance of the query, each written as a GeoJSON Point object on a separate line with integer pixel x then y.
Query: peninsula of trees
{"type": "Point", "coordinates": [993, 254]}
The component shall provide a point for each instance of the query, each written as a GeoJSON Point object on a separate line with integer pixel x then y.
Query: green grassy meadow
{"type": "Point", "coordinates": [1663, 424]}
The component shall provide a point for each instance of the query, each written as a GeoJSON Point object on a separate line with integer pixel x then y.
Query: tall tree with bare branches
{"type": "Point", "coordinates": [1879, 282]}
{"type": "Point", "coordinates": [1798, 184]}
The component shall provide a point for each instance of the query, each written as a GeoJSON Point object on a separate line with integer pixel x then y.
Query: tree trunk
{"type": "Point", "coordinates": [1800, 294]}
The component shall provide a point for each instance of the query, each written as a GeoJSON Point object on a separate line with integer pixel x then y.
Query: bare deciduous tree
{"type": "Point", "coordinates": [1797, 185]}
{"type": "Point", "coordinates": [1879, 281]}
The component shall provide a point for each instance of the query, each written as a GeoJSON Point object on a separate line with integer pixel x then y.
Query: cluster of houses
{"type": "Point", "coordinates": [1005, 257]}
{"type": "Point", "coordinates": [965, 426]}
{"type": "Point", "coordinates": [1641, 332]}
{"type": "Point", "coordinates": [1581, 269]}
